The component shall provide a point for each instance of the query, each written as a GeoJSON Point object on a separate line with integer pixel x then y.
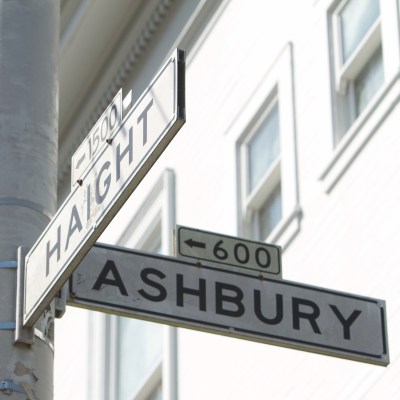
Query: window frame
{"type": "Point", "coordinates": [341, 153]}
{"type": "Point", "coordinates": [348, 71]}
{"type": "Point", "coordinates": [345, 73]}
{"type": "Point", "coordinates": [276, 85]}
{"type": "Point", "coordinates": [251, 195]}
{"type": "Point", "coordinates": [254, 199]}
{"type": "Point", "coordinates": [154, 219]}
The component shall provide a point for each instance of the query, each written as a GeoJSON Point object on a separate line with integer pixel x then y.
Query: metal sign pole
{"type": "Point", "coordinates": [28, 180]}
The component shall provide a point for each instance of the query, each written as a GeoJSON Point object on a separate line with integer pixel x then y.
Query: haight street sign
{"type": "Point", "coordinates": [228, 250]}
{"type": "Point", "coordinates": [115, 172]}
{"type": "Point", "coordinates": [211, 299]}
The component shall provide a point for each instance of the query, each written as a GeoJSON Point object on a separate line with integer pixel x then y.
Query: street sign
{"type": "Point", "coordinates": [115, 172]}
{"type": "Point", "coordinates": [228, 250]}
{"type": "Point", "coordinates": [107, 124]}
{"type": "Point", "coordinates": [211, 299]}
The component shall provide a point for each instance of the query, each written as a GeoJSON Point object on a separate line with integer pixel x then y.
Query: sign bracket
{"type": "Point", "coordinates": [22, 334]}
{"type": "Point", "coordinates": [61, 301]}
{"type": "Point", "coordinates": [9, 325]}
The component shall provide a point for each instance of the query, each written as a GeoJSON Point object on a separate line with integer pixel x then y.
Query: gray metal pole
{"type": "Point", "coordinates": [29, 42]}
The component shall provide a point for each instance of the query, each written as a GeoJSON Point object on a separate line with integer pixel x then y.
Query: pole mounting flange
{"type": "Point", "coordinates": [22, 334]}
{"type": "Point", "coordinates": [8, 386]}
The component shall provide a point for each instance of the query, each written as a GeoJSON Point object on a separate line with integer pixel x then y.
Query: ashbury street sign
{"type": "Point", "coordinates": [211, 299]}
{"type": "Point", "coordinates": [114, 173]}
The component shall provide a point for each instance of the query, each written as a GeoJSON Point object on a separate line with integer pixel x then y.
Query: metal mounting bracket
{"type": "Point", "coordinates": [8, 386]}
{"type": "Point", "coordinates": [61, 301]}
{"type": "Point", "coordinates": [22, 334]}
{"type": "Point", "coordinates": [7, 326]}
{"type": "Point", "coordinates": [8, 264]}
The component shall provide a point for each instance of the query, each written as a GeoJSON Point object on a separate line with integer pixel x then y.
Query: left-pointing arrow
{"type": "Point", "coordinates": [80, 161]}
{"type": "Point", "coordinates": [193, 243]}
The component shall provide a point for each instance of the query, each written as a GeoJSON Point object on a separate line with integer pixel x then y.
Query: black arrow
{"type": "Point", "coordinates": [193, 243]}
{"type": "Point", "coordinates": [80, 161]}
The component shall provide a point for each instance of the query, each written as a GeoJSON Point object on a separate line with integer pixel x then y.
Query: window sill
{"type": "Point", "coordinates": [361, 132]}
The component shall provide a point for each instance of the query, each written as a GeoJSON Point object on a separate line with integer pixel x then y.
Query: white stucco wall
{"type": "Point", "coordinates": [348, 238]}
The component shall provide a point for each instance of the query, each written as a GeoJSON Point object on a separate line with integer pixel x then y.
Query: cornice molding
{"type": "Point", "coordinates": [124, 70]}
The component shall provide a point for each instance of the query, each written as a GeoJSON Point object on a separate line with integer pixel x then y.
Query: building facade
{"type": "Point", "coordinates": [291, 137]}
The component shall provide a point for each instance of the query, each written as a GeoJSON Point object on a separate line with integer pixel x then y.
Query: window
{"type": "Point", "coordinates": [356, 31]}
{"type": "Point", "coordinates": [368, 81]}
{"type": "Point", "coordinates": [266, 151]}
{"type": "Point", "coordinates": [138, 349]}
{"type": "Point", "coordinates": [357, 17]}
{"type": "Point", "coordinates": [364, 51]}
{"type": "Point", "coordinates": [139, 356]}
{"type": "Point", "coordinates": [262, 158]}
{"type": "Point", "coordinates": [139, 343]}
{"type": "Point", "coordinates": [270, 213]}
{"type": "Point", "coordinates": [264, 147]}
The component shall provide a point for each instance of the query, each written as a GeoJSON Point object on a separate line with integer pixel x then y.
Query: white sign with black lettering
{"type": "Point", "coordinates": [182, 293]}
{"type": "Point", "coordinates": [228, 250]}
{"type": "Point", "coordinates": [116, 171]}
{"type": "Point", "coordinates": [102, 131]}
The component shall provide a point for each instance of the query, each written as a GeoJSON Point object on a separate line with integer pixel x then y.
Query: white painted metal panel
{"type": "Point", "coordinates": [107, 124]}
{"type": "Point", "coordinates": [211, 247]}
{"type": "Point", "coordinates": [116, 171]}
{"type": "Point", "coordinates": [181, 293]}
